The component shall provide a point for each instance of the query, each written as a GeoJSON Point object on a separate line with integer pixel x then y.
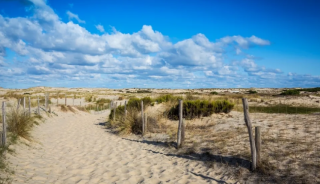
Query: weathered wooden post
{"type": "Point", "coordinates": [249, 126]}
{"type": "Point", "coordinates": [4, 126]}
{"type": "Point", "coordinates": [24, 103]}
{"type": "Point", "coordinates": [18, 106]}
{"type": "Point", "coordinates": [145, 128]}
{"type": "Point", "coordinates": [183, 131]}
{"type": "Point", "coordinates": [179, 136]}
{"type": "Point", "coordinates": [125, 109]}
{"type": "Point", "coordinates": [114, 112]}
{"type": "Point", "coordinates": [29, 106]}
{"type": "Point", "coordinates": [142, 118]}
{"type": "Point", "coordinates": [258, 144]}
{"type": "Point", "coordinates": [38, 106]}
{"type": "Point", "coordinates": [45, 101]}
{"type": "Point", "coordinates": [65, 99]}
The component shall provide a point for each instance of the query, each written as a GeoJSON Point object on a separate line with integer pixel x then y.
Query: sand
{"type": "Point", "coordinates": [76, 148]}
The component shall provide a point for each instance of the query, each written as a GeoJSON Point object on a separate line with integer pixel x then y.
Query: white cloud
{"type": "Point", "coordinates": [74, 16]}
{"type": "Point", "coordinates": [100, 28]}
{"type": "Point", "coordinates": [48, 48]}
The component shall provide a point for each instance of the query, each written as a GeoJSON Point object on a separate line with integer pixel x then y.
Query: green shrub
{"type": "Point", "coordinates": [290, 92]}
{"type": "Point", "coordinates": [311, 89]}
{"type": "Point", "coordinates": [214, 93]}
{"type": "Point", "coordinates": [252, 92]}
{"type": "Point", "coordinates": [283, 109]}
{"type": "Point", "coordinates": [144, 91]}
{"type": "Point", "coordinates": [198, 108]}
{"type": "Point", "coordinates": [167, 98]}
{"type": "Point", "coordinates": [136, 102]}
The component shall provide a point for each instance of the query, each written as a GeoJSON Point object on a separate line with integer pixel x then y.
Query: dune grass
{"type": "Point", "coordinates": [283, 109]}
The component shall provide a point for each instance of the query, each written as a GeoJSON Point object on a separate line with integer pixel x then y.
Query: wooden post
{"type": "Point", "coordinates": [4, 127]}
{"type": "Point", "coordinates": [180, 125]}
{"type": "Point", "coordinates": [45, 101]}
{"type": "Point", "coordinates": [73, 101]}
{"type": "Point", "coordinates": [57, 99]}
{"type": "Point", "coordinates": [258, 144]}
{"type": "Point", "coordinates": [24, 103]}
{"type": "Point", "coordinates": [38, 107]}
{"type": "Point", "coordinates": [114, 112]}
{"type": "Point", "coordinates": [125, 109]}
{"type": "Point", "coordinates": [145, 123]}
{"type": "Point", "coordinates": [18, 106]}
{"type": "Point", "coordinates": [29, 106]}
{"type": "Point", "coordinates": [65, 100]}
{"type": "Point", "coordinates": [249, 126]}
{"type": "Point", "coordinates": [142, 118]}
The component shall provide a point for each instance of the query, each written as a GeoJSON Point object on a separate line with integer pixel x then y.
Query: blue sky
{"type": "Point", "coordinates": [159, 44]}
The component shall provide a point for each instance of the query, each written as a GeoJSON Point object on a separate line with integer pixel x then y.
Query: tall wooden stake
{"type": "Point", "coordinates": [38, 107]}
{"type": "Point", "coordinates": [4, 126]}
{"type": "Point", "coordinates": [125, 109]}
{"type": "Point", "coordinates": [24, 103]}
{"type": "Point", "coordinates": [142, 118]}
{"type": "Point", "coordinates": [145, 125]}
{"type": "Point", "coordinates": [179, 139]}
{"type": "Point", "coordinates": [114, 112]}
{"type": "Point", "coordinates": [18, 106]}
{"type": "Point", "coordinates": [29, 106]}
{"type": "Point", "coordinates": [65, 100]}
{"type": "Point", "coordinates": [249, 126]}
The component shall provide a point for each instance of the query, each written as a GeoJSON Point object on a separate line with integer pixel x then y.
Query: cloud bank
{"type": "Point", "coordinates": [44, 50]}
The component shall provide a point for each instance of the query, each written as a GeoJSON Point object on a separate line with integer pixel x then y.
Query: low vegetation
{"type": "Point", "coordinates": [200, 108]}
{"type": "Point", "coordinates": [284, 109]}
{"type": "Point", "coordinates": [144, 91]}
{"type": "Point", "coordinates": [290, 92]}
{"type": "Point", "coordinates": [252, 92]}
{"type": "Point", "coordinates": [214, 93]}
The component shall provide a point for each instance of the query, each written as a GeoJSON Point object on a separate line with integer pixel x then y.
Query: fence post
{"type": "Point", "coordinates": [142, 118]}
{"type": "Point", "coordinates": [45, 101]}
{"type": "Point", "coordinates": [24, 103]}
{"type": "Point", "coordinates": [65, 100]}
{"type": "Point", "coordinates": [29, 106]}
{"type": "Point", "coordinates": [114, 112]}
{"type": "Point", "coordinates": [4, 127]}
{"type": "Point", "coordinates": [258, 145]}
{"type": "Point", "coordinates": [18, 106]}
{"type": "Point", "coordinates": [145, 123]}
{"type": "Point", "coordinates": [125, 109]}
{"type": "Point", "coordinates": [249, 126]}
{"type": "Point", "coordinates": [179, 140]}
{"type": "Point", "coordinates": [38, 106]}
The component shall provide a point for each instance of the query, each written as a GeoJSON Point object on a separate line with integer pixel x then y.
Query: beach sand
{"type": "Point", "coordinates": [77, 148]}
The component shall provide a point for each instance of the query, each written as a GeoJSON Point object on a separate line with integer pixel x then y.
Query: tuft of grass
{"type": "Point", "coordinates": [199, 108]}
{"type": "Point", "coordinates": [283, 109]}
{"type": "Point", "coordinates": [103, 101]}
{"type": "Point", "coordinates": [130, 124]}
{"type": "Point", "coordinates": [20, 123]}
{"type": "Point", "coordinates": [64, 108]}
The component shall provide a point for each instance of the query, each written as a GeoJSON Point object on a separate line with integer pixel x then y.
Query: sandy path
{"type": "Point", "coordinates": [74, 148]}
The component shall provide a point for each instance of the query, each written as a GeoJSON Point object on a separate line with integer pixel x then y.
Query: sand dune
{"type": "Point", "coordinates": [76, 148]}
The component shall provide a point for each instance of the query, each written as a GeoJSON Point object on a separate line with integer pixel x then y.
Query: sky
{"type": "Point", "coordinates": [159, 43]}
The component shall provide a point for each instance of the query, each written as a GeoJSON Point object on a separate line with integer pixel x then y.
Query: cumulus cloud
{"type": "Point", "coordinates": [74, 16]}
{"type": "Point", "coordinates": [47, 48]}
